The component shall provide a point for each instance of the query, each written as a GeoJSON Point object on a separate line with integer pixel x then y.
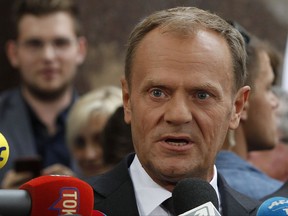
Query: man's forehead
{"type": "Point", "coordinates": [60, 23]}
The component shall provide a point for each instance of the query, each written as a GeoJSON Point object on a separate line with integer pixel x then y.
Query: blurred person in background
{"type": "Point", "coordinates": [117, 138]}
{"type": "Point", "coordinates": [257, 128]}
{"type": "Point", "coordinates": [275, 162]}
{"type": "Point", "coordinates": [85, 124]}
{"type": "Point", "coordinates": [47, 49]}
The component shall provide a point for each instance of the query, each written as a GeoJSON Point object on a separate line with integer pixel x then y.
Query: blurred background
{"type": "Point", "coordinates": [107, 24]}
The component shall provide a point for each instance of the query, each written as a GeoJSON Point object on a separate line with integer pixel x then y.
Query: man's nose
{"type": "Point", "coordinates": [274, 101]}
{"type": "Point", "coordinates": [178, 111]}
{"type": "Point", "coordinates": [49, 51]}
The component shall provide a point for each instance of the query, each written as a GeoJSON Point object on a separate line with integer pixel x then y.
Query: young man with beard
{"type": "Point", "coordinates": [47, 49]}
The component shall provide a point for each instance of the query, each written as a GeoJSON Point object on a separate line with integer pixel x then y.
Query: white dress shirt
{"type": "Point", "coordinates": [150, 195]}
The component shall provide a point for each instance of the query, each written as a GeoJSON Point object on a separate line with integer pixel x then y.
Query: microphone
{"type": "Point", "coordinates": [48, 196]}
{"type": "Point", "coordinates": [194, 197]}
{"type": "Point", "coordinates": [4, 151]}
{"type": "Point", "coordinates": [98, 213]}
{"type": "Point", "coordinates": [276, 206]}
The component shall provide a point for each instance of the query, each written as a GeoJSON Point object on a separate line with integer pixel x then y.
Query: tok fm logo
{"type": "Point", "coordinates": [68, 202]}
{"type": "Point", "coordinates": [4, 151]}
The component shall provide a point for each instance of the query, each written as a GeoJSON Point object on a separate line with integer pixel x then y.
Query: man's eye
{"type": "Point", "coordinates": [202, 95]}
{"type": "Point", "coordinates": [61, 43]}
{"type": "Point", "coordinates": [157, 93]}
{"type": "Point", "coordinates": [34, 44]}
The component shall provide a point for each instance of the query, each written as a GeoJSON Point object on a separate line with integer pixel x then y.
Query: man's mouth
{"type": "Point", "coordinates": [177, 142]}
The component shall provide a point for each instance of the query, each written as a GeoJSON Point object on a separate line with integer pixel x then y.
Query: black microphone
{"type": "Point", "coordinates": [20, 200]}
{"type": "Point", "coordinates": [194, 196]}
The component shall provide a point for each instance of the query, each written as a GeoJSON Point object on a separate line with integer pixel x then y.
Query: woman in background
{"type": "Point", "coordinates": [84, 127]}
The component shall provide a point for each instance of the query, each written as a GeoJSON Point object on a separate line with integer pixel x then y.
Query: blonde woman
{"type": "Point", "coordinates": [84, 126]}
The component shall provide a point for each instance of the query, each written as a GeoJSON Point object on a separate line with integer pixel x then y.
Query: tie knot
{"type": "Point", "coordinates": [168, 206]}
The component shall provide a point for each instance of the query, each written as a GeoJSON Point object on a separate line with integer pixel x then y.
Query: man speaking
{"type": "Point", "coordinates": [183, 89]}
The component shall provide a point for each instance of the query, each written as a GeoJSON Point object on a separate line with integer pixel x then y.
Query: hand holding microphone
{"type": "Point", "coordinates": [13, 179]}
{"type": "Point", "coordinates": [26, 168]}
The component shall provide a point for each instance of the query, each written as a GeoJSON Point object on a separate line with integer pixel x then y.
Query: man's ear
{"type": "Point", "coordinates": [239, 107]}
{"type": "Point", "coordinates": [12, 53]}
{"type": "Point", "coordinates": [82, 50]}
{"type": "Point", "coordinates": [244, 114]}
{"type": "Point", "coordinates": [126, 100]}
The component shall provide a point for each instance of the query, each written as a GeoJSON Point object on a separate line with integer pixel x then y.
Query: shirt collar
{"type": "Point", "coordinates": [214, 184]}
{"type": "Point", "coordinates": [145, 188]}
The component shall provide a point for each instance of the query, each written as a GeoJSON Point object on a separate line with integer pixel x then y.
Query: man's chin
{"type": "Point", "coordinates": [48, 94]}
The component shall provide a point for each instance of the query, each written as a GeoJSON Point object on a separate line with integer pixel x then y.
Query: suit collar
{"type": "Point", "coordinates": [20, 128]}
{"type": "Point", "coordinates": [119, 197]}
{"type": "Point", "coordinates": [233, 202]}
{"type": "Point", "coordinates": [116, 177]}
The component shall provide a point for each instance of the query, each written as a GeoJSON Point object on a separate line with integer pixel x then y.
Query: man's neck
{"type": "Point", "coordinates": [47, 111]}
{"type": "Point", "coordinates": [240, 147]}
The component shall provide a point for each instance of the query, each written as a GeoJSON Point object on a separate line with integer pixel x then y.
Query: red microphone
{"type": "Point", "coordinates": [49, 196]}
{"type": "Point", "coordinates": [98, 213]}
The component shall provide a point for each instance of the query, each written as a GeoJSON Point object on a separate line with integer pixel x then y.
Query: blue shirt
{"type": "Point", "coordinates": [244, 177]}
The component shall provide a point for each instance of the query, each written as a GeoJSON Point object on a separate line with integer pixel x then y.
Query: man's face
{"type": "Point", "coordinates": [181, 104]}
{"type": "Point", "coordinates": [47, 52]}
{"type": "Point", "coordinates": [260, 126]}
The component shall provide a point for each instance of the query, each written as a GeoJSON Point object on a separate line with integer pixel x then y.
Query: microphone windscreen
{"type": "Point", "coordinates": [192, 192]}
{"type": "Point", "coordinates": [59, 195]}
{"type": "Point", "coordinates": [276, 206]}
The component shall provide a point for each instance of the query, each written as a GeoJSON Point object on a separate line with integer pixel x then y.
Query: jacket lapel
{"type": "Point", "coordinates": [119, 198]}
{"type": "Point", "coordinates": [16, 125]}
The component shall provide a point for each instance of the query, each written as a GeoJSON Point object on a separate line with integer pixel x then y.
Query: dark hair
{"type": "Point", "coordinates": [275, 60]}
{"type": "Point", "coordinates": [254, 46]}
{"type": "Point", "coordinates": [117, 138]}
{"type": "Point", "coordinates": [187, 21]}
{"type": "Point", "coordinates": [45, 7]}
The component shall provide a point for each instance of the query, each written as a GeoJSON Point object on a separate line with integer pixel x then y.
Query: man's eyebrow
{"type": "Point", "coordinates": [32, 39]}
{"type": "Point", "coordinates": [208, 86]}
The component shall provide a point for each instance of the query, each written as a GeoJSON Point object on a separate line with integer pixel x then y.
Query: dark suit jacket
{"type": "Point", "coordinates": [114, 194]}
{"type": "Point", "coordinates": [15, 126]}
